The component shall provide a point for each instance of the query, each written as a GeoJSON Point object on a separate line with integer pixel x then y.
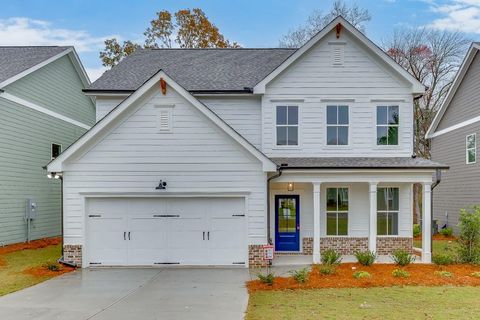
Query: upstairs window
{"type": "Point", "coordinates": [387, 211]}
{"type": "Point", "coordinates": [337, 211]}
{"type": "Point", "coordinates": [387, 125]}
{"type": "Point", "coordinates": [471, 148]}
{"type": "Point", "coordinates": [287, 125]}
{"type": "Point", "coordinates": [55, 151]}
{"type": "Point", "coordinates": [337, 125]}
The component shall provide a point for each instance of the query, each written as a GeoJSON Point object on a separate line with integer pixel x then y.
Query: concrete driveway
{"type": "Point", "coordinates": [134, 294]}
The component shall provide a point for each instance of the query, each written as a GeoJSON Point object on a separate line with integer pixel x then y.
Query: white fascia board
{"type": "Point", "coordinates": [79, 67]}
{"type": "Point", "coordinates": [454, 127]}
{"type": "Point", "coordinates": [417, 86]}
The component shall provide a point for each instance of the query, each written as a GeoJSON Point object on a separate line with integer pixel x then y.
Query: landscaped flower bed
{"type": "Point", "coordinates": [381, 275]}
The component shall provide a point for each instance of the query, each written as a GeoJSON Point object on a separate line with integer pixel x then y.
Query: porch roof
{"type": "Point", "coordinates": [357, 163]}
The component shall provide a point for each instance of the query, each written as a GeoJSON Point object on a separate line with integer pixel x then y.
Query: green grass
{"type": "Point", "coordinates": [440, 246]}
{"type": "Point", "coordinates": [372, 303]}
{"type": "Point", "coordinates": [12, 277]}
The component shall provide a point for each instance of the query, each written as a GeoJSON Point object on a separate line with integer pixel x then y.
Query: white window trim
{"type": "Point", "coordinates": [389, 211]}
{"type": "Point", "coordinates": [275, 108]}
{"type": "Point", "coordinates": [474, 148]}
{"type": "Point", "coordinates": [338, 146]}
{"type": "Point", "coordinates": [169, 109]}
{"type": "Point", "coordinates": [51, 149]}
{"type": "Point", "coordinates": [387, 146]}
{"type": "Point", "coordinates": [337, 211]}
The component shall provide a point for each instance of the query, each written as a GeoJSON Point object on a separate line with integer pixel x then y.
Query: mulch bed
{"type": "Point", "coordinates": [439, 237]}
{"type": "Point", "coordinates": [35, 244]}
{"type": "Point", "coordinates": [381, 276]}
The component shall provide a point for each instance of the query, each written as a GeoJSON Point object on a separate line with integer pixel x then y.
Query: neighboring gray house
{"type": "Point", "coordinates": [453, 133]}
{"type": "Point", "coordinates": [42, 111]}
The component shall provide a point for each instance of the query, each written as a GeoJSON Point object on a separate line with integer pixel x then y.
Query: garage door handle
{"type": "Point", "coordinates": [124, 235]}
{"type": "Point", "coordinates": [128, 235]}
{"type": "Point", "coordinates": [208, 235]}
{"type": "Point", "coordinates": [203, 235]}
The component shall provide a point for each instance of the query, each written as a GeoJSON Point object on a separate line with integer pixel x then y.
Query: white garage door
{"type": "Point", "coordinates": [148, 231]}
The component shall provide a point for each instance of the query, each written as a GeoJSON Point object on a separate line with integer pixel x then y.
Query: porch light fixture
{"type": "Point", "coordinates": [290, 186]}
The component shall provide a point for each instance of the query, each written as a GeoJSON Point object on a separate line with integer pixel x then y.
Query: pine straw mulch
{"type": "Point", "coordinates": [439, 237]}
{"type": "Point", "coordinates": [381, 276]}
{"type": "Point", "coordinates": [43, 271]}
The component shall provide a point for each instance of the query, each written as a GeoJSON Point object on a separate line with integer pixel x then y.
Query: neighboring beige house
{"type": "Point", "coordinates": [307, 149]}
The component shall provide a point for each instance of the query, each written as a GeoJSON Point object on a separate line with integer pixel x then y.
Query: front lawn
{"type": "Point", "coordinates": [440, 246]}
{"type": "Point", "coordinates": [24, 265]}
{"type": "Point", "coordinates": [372, 303]}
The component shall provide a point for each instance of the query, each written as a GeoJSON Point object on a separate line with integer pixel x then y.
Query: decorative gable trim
{"type": "Point", "coordinates": [165, 118]}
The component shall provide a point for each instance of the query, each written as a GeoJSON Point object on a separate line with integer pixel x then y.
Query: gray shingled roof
{"type": "Point", "coordinates": [14, 60]}
{"type": "Point", "coordinates": [358, 163]}
{"type": "Point", "coordinates": [194, 69]}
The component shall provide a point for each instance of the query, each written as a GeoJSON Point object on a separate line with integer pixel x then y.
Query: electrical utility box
{"type": "Point", "coordinates": [31, 209]}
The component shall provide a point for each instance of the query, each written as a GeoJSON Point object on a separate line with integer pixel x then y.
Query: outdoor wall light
{"type": "Point", "coordinates": [290, 186]}
{"type": "Point", "coordinates": [162, 185]}
{"type": "Point", "coordinates": [54, 175]}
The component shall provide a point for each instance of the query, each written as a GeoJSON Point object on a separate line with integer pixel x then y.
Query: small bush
{"type": "Point", "coordinates": [417, 231]}
{"type": "Point", "coordinates": [469, 238]}
{"type": "Point", "coordinates": [331, 257]}
{"type": "Point", "coordinates": [443, 259]}
{"type": "Point", "coordinates": [402, 257]}
{"type": "Point", "coordinates": [444, 274]}
{"type": "Point", "coordinates": [475, 274]}
{"type": "Point", "coordinates": [52, 266]}
{"type": "Point", "coordinates": [327, 269]}
{"type": "Point", "coordinates": [399, 273]}
{"type": "Point", "coordinates": [447, 232]}
{"type": "Point", "coordinates": [267, 278]}
{"type": "Point", "coordinates": [365, 258]}
{"type": "Point", "coordinates": [301, 276]}
{"type": "Point", "coordinates": [362, 275]}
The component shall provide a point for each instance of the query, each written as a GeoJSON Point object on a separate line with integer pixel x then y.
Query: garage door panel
{"type": "Point", "coordinates": [227, 243]}
{"type": "Point", "coordinates": [147, 243]}
{"type": "Point", "coordinates": [107, 236]}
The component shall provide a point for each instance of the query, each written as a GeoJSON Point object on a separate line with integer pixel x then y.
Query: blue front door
{"type": "Point", "coordinates": [287, 223]}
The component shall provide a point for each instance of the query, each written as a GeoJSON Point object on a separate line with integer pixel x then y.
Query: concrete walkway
{"type": "Point", "coordinates": [133, 294]}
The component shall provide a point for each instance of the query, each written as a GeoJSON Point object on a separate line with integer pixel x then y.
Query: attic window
{"type": "Point", "coordinates": [164, 118]}
{"type": "Point", "coordinates": [337, 52]}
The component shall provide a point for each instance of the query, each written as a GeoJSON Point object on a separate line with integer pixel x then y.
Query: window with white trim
{"type": "Point", "coordinates": [471, 148]}
{"type": "Point", "coordinates": [387, 125]}
{"type": "Point", "coordinates": [337, 125]}
{"type": "Point", "coordinates": [165, 119]}
{"type": "Point", "coordinates": [287, 125]}
{"type": "Point", "coordinates": [337, 211]}
{"type": "Point", "coordinates": [55, 150]}
{"type": "Point", "coordinates": [387, 211]}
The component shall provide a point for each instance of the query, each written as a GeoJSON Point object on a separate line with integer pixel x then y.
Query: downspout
{"type": "Point", "coordinates": [438, 179]}
{"type": "Point", "coordinates": [278, 174]}
{"type": "Point", "coordinates": [62, 259]}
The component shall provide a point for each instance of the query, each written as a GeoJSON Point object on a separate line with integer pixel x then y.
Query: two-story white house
{"type": "Point", "coordinates": [203, 156]}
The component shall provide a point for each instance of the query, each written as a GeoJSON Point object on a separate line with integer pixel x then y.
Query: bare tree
{"type": "Point", "coordinates": [318, 20]}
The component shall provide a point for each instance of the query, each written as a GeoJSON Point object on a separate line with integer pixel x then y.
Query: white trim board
{"type": "Point", "coordinates": [454, 127]}
{"type": "Point", "coordinates": [28, 104]}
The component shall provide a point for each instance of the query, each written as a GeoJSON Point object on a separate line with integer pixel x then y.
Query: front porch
{"type": "Point", "coordinates": [346, 210]}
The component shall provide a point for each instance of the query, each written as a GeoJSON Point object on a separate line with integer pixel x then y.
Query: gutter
{"type": "Point", "coordinates": [277, 175]}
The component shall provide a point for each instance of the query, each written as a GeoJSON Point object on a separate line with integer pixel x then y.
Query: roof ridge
{"type": "Point", "coordinates": [36, 46]}
{"type": "Point", "coordinates": [186, 49]}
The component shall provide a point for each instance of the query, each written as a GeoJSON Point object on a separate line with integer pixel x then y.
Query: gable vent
{"type": "Point", "coordinates": [337, 54]}
{"type": "Point", "coordinates": [165, 119]}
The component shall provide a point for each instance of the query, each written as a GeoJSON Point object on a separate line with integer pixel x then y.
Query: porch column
{"type": "Point", "coordinates": [372, 236]}
{"type": "Point", "coordinates": [427, 224]}
{"type": "Point", "coordinates": [316, 222]}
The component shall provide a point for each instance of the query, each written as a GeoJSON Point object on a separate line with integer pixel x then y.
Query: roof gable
{"type": "Point", "coordinates": [111, 120]}
{"type": "Point", "coordinates": [417, 87]}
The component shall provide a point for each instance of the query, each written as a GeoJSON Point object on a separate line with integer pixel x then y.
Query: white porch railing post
{"type": "Point", "coordinates": [372, 236]}
{"type": "Point", "coordinates": [427, 224]}
{"type": "Point", "coordinates": [316, 222]}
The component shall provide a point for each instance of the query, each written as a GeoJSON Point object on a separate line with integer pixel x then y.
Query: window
{"type": "Point", "coordinates": [337, 125]}
{"type": "Point", "coordinates": [387, 211]}
{"type": "Point", "coordinates": [55, 150]}
{"type": "Point", "coordinates": [287, 125]}
{"type": "Point", "coordinates": [165, 118]}
{"type": "Point", "coordinates": [471, 145]}
{"type": "Point", "coordinates": [337, 211]}
{"type": "Point", "coordinates": [387, 125]}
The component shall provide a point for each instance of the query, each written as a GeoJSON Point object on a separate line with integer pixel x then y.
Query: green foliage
{"type": "Point", "coordinates": [447, 232]}
{"type": "Point", "coordinates": [444, 274]}
{"type": "Point", "coordinates": [469, 238]}
{"type": "Point", "coordinates": [365, 258]}
{"type": "Point", "coordinates": [267, 277]}
{"type": "Point", "coordinates": [52, 266]}
{"type": "Point", "coordinates": [362, 275]}
{"type": "Point", "coordinates": [402, 257]}
{"type": "Point", "coordinates": [475, 274]}
{"type": "Point", "coordinates": [417, 231]}
{"type": "Point", "coordinates": [443, 259]}
{"type": "Point", "coordinates": [400, 273]}
{"type": "Point", "coordinates": [327, 269]}
{"type": "Point", "coordinates": [331, 257]}
{"type": "Point", "coordinates": [301, 276]}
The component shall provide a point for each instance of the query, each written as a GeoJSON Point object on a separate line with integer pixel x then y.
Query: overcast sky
{"type": "Point", "coordinates": [252, 23]}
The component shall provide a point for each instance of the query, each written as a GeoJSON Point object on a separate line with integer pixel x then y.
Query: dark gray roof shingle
{"type": "Point", "coordinates": [14, 60]}
{"type": "Point", "coordinates": [358, 163]}
{"type": "Point", "coordinates": [194, 69]}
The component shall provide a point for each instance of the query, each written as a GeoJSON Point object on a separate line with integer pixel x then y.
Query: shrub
{"type": "Point", "coordinates": [475, 274]}
{"type": "Point", "coordinates": [52, 266]}
{"type": "Point", "coordinates": [417, 231]}
{"type": "Point", "coordinates": [447, 232]}
{"type": "Point", "coordinates": [469, 238]}
{"type": "Point", "coordinates": [267, 278]}
{"type": "Point", "coordinates": [444, 274]}
{"type": "Point", "coordinates": [327, 269]}
{"type": "Point", "coordinates": [361, 275]}
{"type": "Point", "coordinates": [400, 273]}
{"type": "Point", "coordinates": [365, 258]}
{"type": "Point", "coordinates": [402, 257]}
{"type": "Point", "coordinates": [443, 259]}
{"type": "Point", "coordinates": [331, 257]}
{"type": "Point", "coordinates": [301, 276]}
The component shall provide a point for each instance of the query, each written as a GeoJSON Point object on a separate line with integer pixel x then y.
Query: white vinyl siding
{"type": "Point", "coordinates": [471, 148]}
{"type": "Point", "coordinates": [105, 104]}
